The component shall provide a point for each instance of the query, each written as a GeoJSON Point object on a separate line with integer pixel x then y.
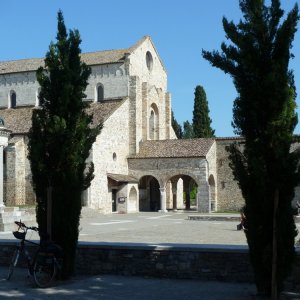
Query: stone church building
{"type": "Point", "coordinates": [139, 163]}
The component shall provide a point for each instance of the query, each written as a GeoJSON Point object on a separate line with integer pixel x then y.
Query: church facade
{"type": "Point", "coordinates": [139, 163]}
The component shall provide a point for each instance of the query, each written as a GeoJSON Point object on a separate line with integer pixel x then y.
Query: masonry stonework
{"type": "Point", "coordinates": [139, 163]}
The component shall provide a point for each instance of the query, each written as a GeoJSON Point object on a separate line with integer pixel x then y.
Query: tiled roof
{"type": "Point", "coordinates": [102, 110]}
{"type": "Point", "coordinates": [122, 178]}
{"type": "Point", "coordinates": [175, 148]}
{"type": "Point", "coordinates": [90, 58]}
{"type": "Point", "coordinates": [18, 120]}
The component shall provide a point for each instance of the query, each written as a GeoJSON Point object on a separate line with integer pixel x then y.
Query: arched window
{"type": "Point", "coordinates": [100, 93]}
{"type": "Point", "coordinates": [37, 100]}
{"type": "Point", "coordinates": [153, 122]}
{"type": "Point", "coordinates": [151, 125]}
{"type": "Point", "coordinates": [13, 99]}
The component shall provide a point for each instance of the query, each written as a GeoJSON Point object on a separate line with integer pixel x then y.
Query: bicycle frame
{"type": "Point", "coordinates": [42, 271]}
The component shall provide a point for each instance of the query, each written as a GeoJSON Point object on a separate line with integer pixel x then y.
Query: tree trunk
{"type": "Point", "coordinates": [49, 211]}
{"type": "Point", "coordinates": [274, 256]}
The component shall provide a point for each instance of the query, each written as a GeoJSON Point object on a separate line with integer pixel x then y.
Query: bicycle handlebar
{"type": "Point", "coordinates": [22, 225]}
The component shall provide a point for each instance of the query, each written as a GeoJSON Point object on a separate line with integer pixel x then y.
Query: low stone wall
{"type": "Point", "coordinates": [180, 261]}
{"type": "Point", "coordinates": [214, 262]}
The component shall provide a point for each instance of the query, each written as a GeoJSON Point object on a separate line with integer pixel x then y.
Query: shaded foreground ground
{"type": "Point", "coordinates": [119, 287]}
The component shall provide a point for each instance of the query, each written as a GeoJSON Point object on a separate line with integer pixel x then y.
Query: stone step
{"type": "Point", "coordinates": [231, 218]}
{"type": "Point", "coordinates": [9, 215]}
{"type": "Point", "coordinates": [222, 217]}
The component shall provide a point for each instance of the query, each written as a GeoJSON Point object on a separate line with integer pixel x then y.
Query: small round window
{"type": "Point", "coordinates": [149, 60]}
{"type": "Point", "coordinates": [114, 156]}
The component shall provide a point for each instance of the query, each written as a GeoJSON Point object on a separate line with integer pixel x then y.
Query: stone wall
{"type": "Point", "coordinates": [157, 76]}
{"type": "Point", "coordinates": [219, 262]}
{"type": "Point", "coordinates": [114, 79]}
{"type": "Point", "coordinates": [24, 84]}
{"type": "Point", "coordinates": [113, 139]}
{"type": "Point", "coordinates": [112, 76]}
{"type": "Point", "coordinates": [163, 169]}
{"type": "Point", "coordinates": [17, 183]}
{"type": "Point", "coordinates": [14, 175]}
{"type": "Point", "coordinates": [197, 262]}
{"type": "Point", "coordinates": [152, 89]}
{"type": "Point", "coordinates": [229, 194]}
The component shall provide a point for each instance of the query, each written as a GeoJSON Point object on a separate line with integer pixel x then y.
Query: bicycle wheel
{"type": "Point", "coordinates": [44, 271]}
{"type": "Point", "coordinates": [13, 263]}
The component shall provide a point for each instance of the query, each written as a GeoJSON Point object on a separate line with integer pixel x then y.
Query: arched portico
{"type": "Point", "coordinates": [191, 161]}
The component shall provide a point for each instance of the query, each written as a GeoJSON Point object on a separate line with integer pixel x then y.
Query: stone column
{"type": "Point", "coordinates": [186, 189]}
{"type": "Point", "coordinates": [203, 198]}
{"type": "Point", "coordinates": [1, 177]}
{"type": "Point", "coordinates": [4, 134]}
{"type": "Point", "coordinates": [174, 191]}
{"type": "Point", "coordinates": [163, 203]}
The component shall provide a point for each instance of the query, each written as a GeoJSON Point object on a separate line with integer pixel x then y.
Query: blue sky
{"type": "Point", "coordinates": [179, 30]}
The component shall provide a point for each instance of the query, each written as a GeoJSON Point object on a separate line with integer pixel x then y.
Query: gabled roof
{"type": "Point", "coordinates": [18, 119]}
{"type": "Point", "coordinates": [90, 58]}
{"type": "Point", "coordinates": [175, 148]}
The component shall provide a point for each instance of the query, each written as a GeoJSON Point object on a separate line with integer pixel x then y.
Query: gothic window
{"type": "Point", "coordinates": [13, 99]}
{"type": "Point", "coordinates": [100, 93]}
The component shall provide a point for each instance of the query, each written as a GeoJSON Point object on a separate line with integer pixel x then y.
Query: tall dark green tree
{"type": "Point", "coordinates": [60, 141]}
{"type": "Point", "coordinates": [176, 126]}
{"type": "Point", "coordinates": [264, 114]}
{"type": "Point", "coordinates": [201, 120]}
{"type": "Point", "coordinates": [188, 132]}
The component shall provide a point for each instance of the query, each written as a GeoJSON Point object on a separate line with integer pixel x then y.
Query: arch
{"type": "Point", "coordinates": [149, 193]}
{"type": "Point", "coordinates": [12, 99]}
{"type": "Point", "coordinates": [184, 192]}
{"type": "Point", "coordinates": [132, 204]}
{"type": "Point", "coordinates": [99, 92]}
{"type": "Point", "coordinates": [154, 122]}
{"type": "Point", "coordinates": [212, 190]}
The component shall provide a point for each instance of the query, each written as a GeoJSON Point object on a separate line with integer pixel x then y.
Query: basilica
{"type": "Point", "coordinates": [140, 165]}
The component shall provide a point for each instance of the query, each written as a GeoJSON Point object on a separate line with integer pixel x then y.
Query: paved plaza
{"type": "Point", "coordinates": [157, 228]}
{"type": "Point", "coordinates": [151, 228]}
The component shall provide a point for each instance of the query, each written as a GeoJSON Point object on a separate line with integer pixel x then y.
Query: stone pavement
{"type": "Point", "coordinates": [153, 228]}
{"type": "Point", "coordinates": [157, 228]}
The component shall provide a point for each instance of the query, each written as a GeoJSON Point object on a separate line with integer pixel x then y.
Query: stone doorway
{"type": "Point", "coordinates": [114, 200]}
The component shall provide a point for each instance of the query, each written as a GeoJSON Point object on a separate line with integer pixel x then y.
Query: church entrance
{"type": "Point", "coordinates": [114, 200]}
{"type": "Point", "coordinates": [149, 194]}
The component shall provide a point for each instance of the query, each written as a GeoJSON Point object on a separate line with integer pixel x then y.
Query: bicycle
{"type": "Point", "coordinates": [44, 265]}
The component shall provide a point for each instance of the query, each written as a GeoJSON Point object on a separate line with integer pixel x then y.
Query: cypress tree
{"type": "Point", "coordinates": [60, 141]}
{"type": "Point", "coordinates": [201, 120]}
{"type": "Point", "coordinates": [176, 126]}
{"type": "Point", "coordinates": [188, 132]}
{"type": "Point", "coordinates": [264, 114]}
